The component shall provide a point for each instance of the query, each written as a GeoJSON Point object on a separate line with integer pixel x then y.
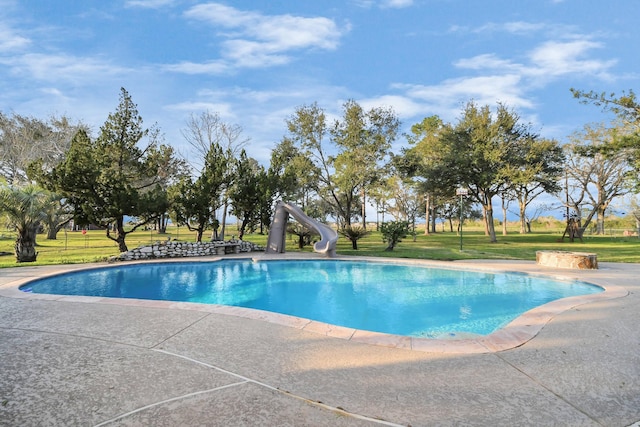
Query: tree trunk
{"type": "Point", "coordinates": [600, 221]}
{"type": "Point", "coordinates": [25, 247]}
{"type": "Point", "coordinates": [486, 221]}
{"type": "Point", "coordinates": [504, 220]}
{"type": "Point", "coordinates": [433, 219]}
{"type": "Point", "coordinates": [162, 224]}
{"type": "Point", "coordinates": [491, 229]}
{"type": "Point", "coordinates": [427, 212]}
{"type": "Point", "coordinates": [364, 209]}
{"type": "Point", "coordinates": [243, 227]}
{"type": "Point", "coordinates": [121, 235]}
{"type": "Point", "coordinates": [52, 232]}
{"type": "Point", "coordinates": [523, 219]}
{"type": "Point", "coordinates": [223, 224]}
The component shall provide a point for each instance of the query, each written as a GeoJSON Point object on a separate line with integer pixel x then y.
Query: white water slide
{"type": "Point", "coordinates": [278, 231]}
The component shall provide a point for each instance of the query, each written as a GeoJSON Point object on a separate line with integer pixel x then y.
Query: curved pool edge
{"type": "Point", "coordinates": [516, 333]}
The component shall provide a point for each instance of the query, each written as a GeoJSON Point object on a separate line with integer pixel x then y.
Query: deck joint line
{"type": "Point", "coordinates": [283, 392]}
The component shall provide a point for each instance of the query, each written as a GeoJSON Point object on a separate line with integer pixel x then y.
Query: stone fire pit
{"type": "Point", "coordinates": [564, 259]}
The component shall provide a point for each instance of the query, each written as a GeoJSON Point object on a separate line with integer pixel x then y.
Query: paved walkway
{"type": "Point", "coordinates": [83, 361]}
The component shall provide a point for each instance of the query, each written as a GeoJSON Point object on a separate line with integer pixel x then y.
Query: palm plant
{"type": "Point", "coordinates": [353, 233]}
{"type": "Point", "coordinates": [25, 209]}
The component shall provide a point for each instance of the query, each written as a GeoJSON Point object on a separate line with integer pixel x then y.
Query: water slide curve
{"type": "Point", "coordinates": [277, 233]}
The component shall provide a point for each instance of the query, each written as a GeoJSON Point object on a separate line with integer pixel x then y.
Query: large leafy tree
{"type": "Point", "coordinates": [113, 177]}
{"type": "Point", "coordinates": [364, 139]}
{"type": "Point", "coordinates": [194, 201]}
{"type": "Point", "coordinates": [346, 165]}
{"type": "Point", "coordinates": [207, 128]}
{"type": "Point", "coordinates": [424, 163]}
{"type": "Point", "coordinates": [477, 153]}
{"type": "Point", "coordinates": [534, 169]}
{"type": "Point", "coordinates": [25, 209]}
{"type": "Point", "coordinates": [171, 169]}
{"type": "Point", "coordinates": [249, 192]}
{"type": "Point", "coordinates": [292, 174]}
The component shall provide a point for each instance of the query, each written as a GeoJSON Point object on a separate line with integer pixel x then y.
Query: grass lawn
{"type": "Point", "coordinates": [74, 247]}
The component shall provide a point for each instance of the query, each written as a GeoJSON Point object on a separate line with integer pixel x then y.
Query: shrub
{"type": "Point", "coordinates": [393, 232]}
{"type": "Point", "coordinates": [353, 233]}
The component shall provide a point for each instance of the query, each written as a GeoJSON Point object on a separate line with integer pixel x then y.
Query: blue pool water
{"type": "Point", "coordinates": [375, 296]}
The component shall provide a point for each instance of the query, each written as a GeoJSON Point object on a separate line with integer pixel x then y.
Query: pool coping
{"type": "Point", "coordinates": [516, 333]}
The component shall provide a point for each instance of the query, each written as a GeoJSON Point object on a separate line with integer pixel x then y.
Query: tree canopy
{"type": "Point", "coordinates": [113, 177]}
{"type": "Point", "coordinates": [347, 164]}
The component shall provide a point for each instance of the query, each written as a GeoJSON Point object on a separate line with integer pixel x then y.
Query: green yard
{"type": "Point", "coordinates": [74, 247]}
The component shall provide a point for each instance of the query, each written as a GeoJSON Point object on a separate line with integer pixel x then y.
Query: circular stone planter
{"type": "Point", "coordinates": [563, 259]}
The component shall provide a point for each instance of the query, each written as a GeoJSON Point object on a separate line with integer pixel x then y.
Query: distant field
{"type": "Point", "coordinates": [74, 247]}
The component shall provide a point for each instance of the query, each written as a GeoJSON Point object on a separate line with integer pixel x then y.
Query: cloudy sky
{"type": "Point", "coordinates": [254, 61]}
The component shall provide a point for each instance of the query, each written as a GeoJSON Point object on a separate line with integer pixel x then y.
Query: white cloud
{"type": "Point", "coordinates": [486, 61]}
{"type": "Point", "coordinates": [61, 67]}
{"type": "Point", "coordinates": [9, 40]}
{"type": "Point", "coordinates": [492, 79]}
{"type": "Point", "coordinates": [396, 3]}
{"type": "Point", "coordinates": [515, 27]}
{"type": "Point", "coordinates": [451, 94]}
{"type": "Point", "coordinates": [186, 67]}
{"type": "Point", "coordinates": [518, 28]}
{"type": "Point", "coordinates": [383, 4]}
{"type": "Point", "coordinates": [545, 62]}
{"type": "Point", "coordinates": [278, 32]}
{"type": "Point", "coordinates": [554, 58]}
{"type": "Point", "coordinates": [252, 40]}
{"type": "Point", "coordinates": [149, 4]}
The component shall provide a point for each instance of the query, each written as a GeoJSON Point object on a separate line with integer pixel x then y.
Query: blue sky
{"type": "Point", "coordinates": [254, 62]}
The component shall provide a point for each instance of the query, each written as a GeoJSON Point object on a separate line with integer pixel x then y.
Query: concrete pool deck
{"type": "Point", "coordinates": [92, 361]}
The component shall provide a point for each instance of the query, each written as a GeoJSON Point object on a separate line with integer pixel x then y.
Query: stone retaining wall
{"type": "Point", "coordinates": [187, 249]}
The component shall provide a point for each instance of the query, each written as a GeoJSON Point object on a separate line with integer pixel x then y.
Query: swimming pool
{"type": "Point", "coordinates": [391, 298]}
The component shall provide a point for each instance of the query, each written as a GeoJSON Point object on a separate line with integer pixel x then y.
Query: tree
{"type": "Point", "coordinates": [24, 140]}
{"type": "Point", "coordinates": [206, 129]}
{"type": "Point", "coordinates": [354, 233]}
{"type": "Point", "coordinates": [292, 174]}
{"type": "Point", "coordinates": [57, 214]}
{"type": "Point", "coordinates": [24, 207]}
{"type": "Point", "coordinates": [364, 139]}
{"type": "Point", "coordinates": [381, 194]}
{"type": "Point", "coordinates": [627, 109]}
{"type": "Point", "coordinates": [303, 233]}
{"type": "Point", "coordinates": [477, 153]}
{"type": "Point", "coordinates": [307, 131]}
{"type": "Point", "coordinates": [393, 232]}
{"type": "Point", "coordinates": [247, 192]}
{"type": "Point", "coordinates": [171, 170]}
{"type": "Point", "coordinates": [424, 163]}
{"type": "Point", "coordinates": [597, 178]}
{"type": "Point", "coordinates": [194, 202]}
{"type": "Point", "coordinates": [361, 140]}
{"type": "Point", "coordinates": [407, 204]}
{"type": "Point", "coordinates": [535, 168]}
{"type": "Point", "coordinates": [112, 177]}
